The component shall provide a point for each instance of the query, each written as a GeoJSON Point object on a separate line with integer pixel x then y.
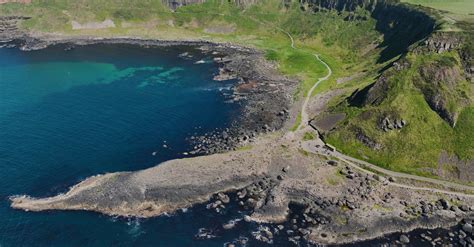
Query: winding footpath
{"type": "Point", "coordinates": [360, 164]}
{"type": "Point", "coordinates": [304, 114]}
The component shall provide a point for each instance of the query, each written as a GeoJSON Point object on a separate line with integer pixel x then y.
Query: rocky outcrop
{"type": "Point", "coordinates": [174, 4]}
{"type": "Point", "coordinates": [366, 140]}
{"type": "Point", "coordinates": [389, 123]}
{"type": "Point", "coordinates": [377, 92]}
{"type": "Point", "coordinates": [451, 167]}
{"type": "Point", "coordinates": [440, 84]}
{"type": "Point", "coordinates": [461, 42]}
{"type": "Point", "coordinates": [441, 42]}
{"type": "Point", "coordinates": [440, 77]}
{"type": "Point", "coordinates": [9, 27]}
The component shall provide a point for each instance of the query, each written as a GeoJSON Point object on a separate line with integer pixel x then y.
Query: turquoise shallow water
{"type": "Point", "coordinates": [67, 115]}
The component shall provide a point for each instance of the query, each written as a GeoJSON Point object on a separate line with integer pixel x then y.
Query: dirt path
{"type": "Point", "coordinates": [448, 184]}
{"type": "Point", "coordinates": [304, 124]}
{"type": "Point", "coordinates": [311, 147]}
{"type": "Point", "coordinates": [304, 113]}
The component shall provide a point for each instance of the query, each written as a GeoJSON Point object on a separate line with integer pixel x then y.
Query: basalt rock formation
{"type": "Point", "coordinates": [8, 27]}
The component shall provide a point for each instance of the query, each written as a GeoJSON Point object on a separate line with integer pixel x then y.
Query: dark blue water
{"type": "Point", "coordinates": [67, 115]}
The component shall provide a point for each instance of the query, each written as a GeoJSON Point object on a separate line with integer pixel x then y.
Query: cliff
{"type": "Point", "coordinates": [401, 25]}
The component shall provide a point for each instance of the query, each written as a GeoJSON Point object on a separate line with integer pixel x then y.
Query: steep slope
{"type": "Point", "coordinates": [417, 111]}
{"type": "Point", "coordinates": [400, 24]}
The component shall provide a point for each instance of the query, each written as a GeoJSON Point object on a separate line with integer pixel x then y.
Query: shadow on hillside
{"type": "Point", "coordinates": [402, 26]}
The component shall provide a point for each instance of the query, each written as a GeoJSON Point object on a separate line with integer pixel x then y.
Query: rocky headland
{"type": "Point", "coordinates": [340, 203]}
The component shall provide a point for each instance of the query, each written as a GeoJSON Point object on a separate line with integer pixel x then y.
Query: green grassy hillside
{"type": "Point", "coordinates": [416, 147]}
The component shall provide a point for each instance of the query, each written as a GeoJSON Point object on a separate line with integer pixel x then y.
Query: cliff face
{"type": "Point", "coordinates": [401, 25]}
{"type": "Point", "coordinates": [406, 30]}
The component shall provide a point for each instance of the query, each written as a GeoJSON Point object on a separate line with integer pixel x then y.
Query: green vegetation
{"type": "Point", "coordinates": [303, 152]}
{"type": "Point", "coordinates": [308, 136]}
{"type": "Point", "coordinates": [245, 148]}
{"type": "Point", "coordinates": [457, 9]}
{"type": "Point", "coordinates": [335, 179]}
{"type": "Point", "coordinates": [351, 43]}
{"type": "Point", "coordinates": [379, 207]}
{"type": "Point", "coordinates": [297, 123]}
{"type": "Point", "coordinates": [416, 147]}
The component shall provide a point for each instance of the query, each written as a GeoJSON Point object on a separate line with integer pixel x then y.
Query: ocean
{"type": "Point", "coordinates": [67, 114]}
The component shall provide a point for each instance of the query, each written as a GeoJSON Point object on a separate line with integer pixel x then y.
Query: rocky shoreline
{"type": "Point", "coordinates": [339, 204]}
{"type": "Point", "coordinates": [263, 93]}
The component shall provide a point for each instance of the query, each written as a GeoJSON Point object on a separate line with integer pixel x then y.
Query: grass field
{"type": "Point", "coordinates": [460, 10]}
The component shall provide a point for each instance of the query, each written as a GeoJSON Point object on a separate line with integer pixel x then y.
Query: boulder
{"type": "Point", "coordinates": [223, 197]}
{"type": "Point", "coordinates": [444, 204]}
{"type": "Point", "coordinates": [467, 228]}
{"type": "Point", "coordinates": [247, 218]}
{"type": "Point", "coordinates": [404, 239]}
{"type": "Point", "coordinates": [241, 194]}
{"type": "Point", "coordinates": [332, 163]}
{"type": "Point", "coordinates": [464, 208]}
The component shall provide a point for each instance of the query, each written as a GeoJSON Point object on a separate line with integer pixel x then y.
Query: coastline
{"type": "Point", "coordinates": [264, 94]}
{"type": "Point", "coordinates": [181, 183]}
{"type": "Point", "coordinates": [267, 180]}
